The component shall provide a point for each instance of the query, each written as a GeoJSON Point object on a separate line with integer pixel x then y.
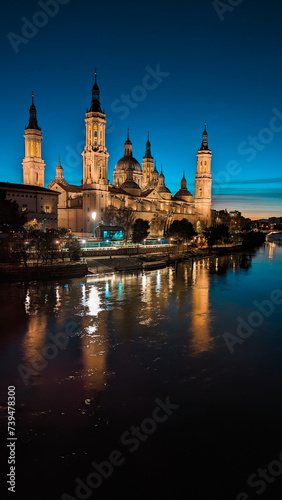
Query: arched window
{"type": "Point", "coordinates": [37, 178]}
{"type": "Point", "coordinates": [31, 149]}
{"type": "Point", "coordinates": [200, 192]}
{"type": "Point", "coordinates": [95, 135]}
{"type": "Point", "coordinates": [201, 166]}
{"type": "Point", "coordinates": [89, 171]}
{"type": "Point", "coordinates": [205, 166]}
{"type": "Point", "coordinates": [37, 149]}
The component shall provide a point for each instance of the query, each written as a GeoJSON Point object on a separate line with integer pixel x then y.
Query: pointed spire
{"type": "Point", "coordinates": [32, 124]}
{"type": "Point", "coordinates": [148, 153]}
{"type": "Point", "coordinates": [204, 139]}
{"type": "Point", "coordinates": [59, 172]}
{"type": "Point", "coordinates": [128, 145]}
{"type": "Point", "coordinates": [183, 182]}
{"type": "Point", "coordinates": [161, 179]}
{"type": "Point", "coordinates": [95, 104]}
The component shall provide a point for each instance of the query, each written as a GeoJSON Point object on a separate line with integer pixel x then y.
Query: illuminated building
{"type": "Point", "coordinates": [141, 188]}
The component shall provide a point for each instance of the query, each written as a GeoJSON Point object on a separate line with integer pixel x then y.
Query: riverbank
{"type": "Point", "coordinates": [12, 273]}
{"type": "Point", "coordinates": [108, 263]}
{"type": "Point", "coordinates": [157, 260]}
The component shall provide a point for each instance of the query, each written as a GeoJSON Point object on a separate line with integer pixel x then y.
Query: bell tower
{"type": "Point", "coordinates": [203, 182]}
{"type": "Point", "coordinates": [95, 163]}
{"type": "Point", "coordinates": [95, 155]}
{"type": "Point", "coordinates": [33, 164]}
{"type": "Point", "coordinates": [147, 165]}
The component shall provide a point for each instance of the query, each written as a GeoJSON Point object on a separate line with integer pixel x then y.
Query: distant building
{"type": "Point", "coordinates": [38, 203]}
{"type": "Point", "coordinates": [233, 219]}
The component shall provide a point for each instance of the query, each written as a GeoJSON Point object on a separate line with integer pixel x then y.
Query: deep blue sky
{"type": "Point", "coordinates": [227, 72]}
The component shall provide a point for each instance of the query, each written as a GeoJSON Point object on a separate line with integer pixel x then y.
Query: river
{"type": "Point", "coordinates": [170, 378]}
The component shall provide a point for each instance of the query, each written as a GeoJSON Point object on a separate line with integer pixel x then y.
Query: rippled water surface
{"type": "Point", "coordinates": [90, 357]}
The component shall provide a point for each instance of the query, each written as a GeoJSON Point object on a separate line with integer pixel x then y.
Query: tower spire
{"type": "Point", "coordinates": [33, 164]}
{"type": "Point", "coordinates": [32, 124]}
{"type": "Point", "coordinates": [204, 139]}
{"type": "Point", "coordinates": [95, 103]}
{"type": "Point", "coordinates": [183, 182]}
{"type": "Point", "coordinates": [148, 153]}
{"type": "Point", "coordinates": [128, 145]}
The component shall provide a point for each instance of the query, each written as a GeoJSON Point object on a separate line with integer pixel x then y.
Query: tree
{"type": "Point", "coordinates": [217, 234]}
{"type": "Point", "coordinates": [181, 230]}
{"type": "Point", "coordinates": [10, 217]}
{"type": "Point", "coordinates": [125, 218]}
{"type": "Point", "coordinates": [157, 224]}
{"type": "Point", "coordinates": [74, 249]}
{"type": "Point", "coordinates": [140, 230]}
{"type": "Point", "coordinates": [109, 216]}
{"type": "Point", "coordinates": [246, 228]}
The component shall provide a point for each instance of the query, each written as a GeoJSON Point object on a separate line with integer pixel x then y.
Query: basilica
{"type": "Point", "coordinates": [138, 186]}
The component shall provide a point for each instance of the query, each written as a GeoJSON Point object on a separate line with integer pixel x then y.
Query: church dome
{"type": "Point", "coordinates": [128, 163]}
{"type": "Point", "coordinates": [163, 189]}
{"type": "Point", "coordinates": [131, 186]}
{"type": "Point", "coordinates": [184, 194]}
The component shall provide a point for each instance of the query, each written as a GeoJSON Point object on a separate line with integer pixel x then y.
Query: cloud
{"type": "Point", "coordinates": [241, 182]}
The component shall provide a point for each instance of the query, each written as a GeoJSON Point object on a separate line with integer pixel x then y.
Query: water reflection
{"type": "Point", "coordinates": [119, 309]}
{"type": "Point", "coordinates": [200, 327]}
{"type": "Point", "coordinates": [34, 340]}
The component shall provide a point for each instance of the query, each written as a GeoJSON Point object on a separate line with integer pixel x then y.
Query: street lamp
{"type": "Point", "coordinates": [94, 218]}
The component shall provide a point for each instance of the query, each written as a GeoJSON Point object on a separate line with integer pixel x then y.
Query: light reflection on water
{"type": "Point", "coordinates": [139, 336]}
{"type": "Point", "coordinates": [162, 309]}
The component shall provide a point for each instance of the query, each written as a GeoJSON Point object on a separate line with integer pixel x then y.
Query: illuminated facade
{"type": "Point", "coordinates": [33, 164]}
{"type": "Point", "coordinates": [141, 188]}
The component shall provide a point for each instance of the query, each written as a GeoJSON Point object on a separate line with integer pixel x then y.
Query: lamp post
{"type": "Point", "coordinates": [94, 218]}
